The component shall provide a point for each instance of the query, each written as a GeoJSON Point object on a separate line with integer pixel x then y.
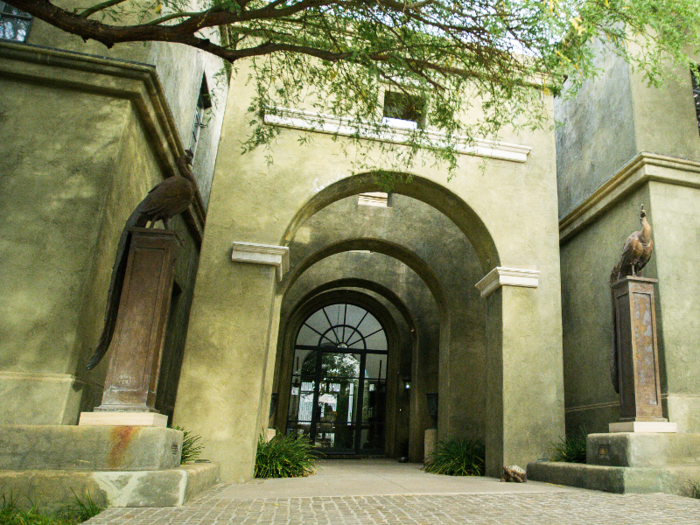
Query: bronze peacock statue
{"type": "Point", "coordinates": [167, 199]}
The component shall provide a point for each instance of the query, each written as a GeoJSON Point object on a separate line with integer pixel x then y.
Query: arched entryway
{"type": "Point", "coordinates": [338, 384]}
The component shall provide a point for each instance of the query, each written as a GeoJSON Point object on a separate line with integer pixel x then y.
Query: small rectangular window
{"type": "Point", "coordinates": [377, 199]}
{"type": "Point", "coordinates": [14, 23]}
{"type": "Point", "coordinates": [403, 110]}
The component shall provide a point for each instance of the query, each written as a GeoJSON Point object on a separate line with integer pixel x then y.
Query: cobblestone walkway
{"type": "Point", "coordinates": [566, 508]}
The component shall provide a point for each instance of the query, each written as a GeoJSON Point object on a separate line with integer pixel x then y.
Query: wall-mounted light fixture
{"type": "Point", "coordinates": [406, 382]}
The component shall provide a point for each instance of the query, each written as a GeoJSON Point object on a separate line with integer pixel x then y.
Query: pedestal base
{"type": "Point", "coordinates": [629, 462]}
{"type": "Point", "coordinates": [642, 426]}
{"type": "Point", "coordinates": [123, 419]}
{"type": "Point", "coordinates": [429, 442]}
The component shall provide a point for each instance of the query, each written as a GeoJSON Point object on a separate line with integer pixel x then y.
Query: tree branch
{"type": "Point", "coordinates": [100, 7]}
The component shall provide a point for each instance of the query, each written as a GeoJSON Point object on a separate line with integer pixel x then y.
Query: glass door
{"type": "Point", "coordinates": [338, 387]}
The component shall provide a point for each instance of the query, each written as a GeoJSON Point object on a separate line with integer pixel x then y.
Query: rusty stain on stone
{"type": "Point", "coordinates": [120, 439]}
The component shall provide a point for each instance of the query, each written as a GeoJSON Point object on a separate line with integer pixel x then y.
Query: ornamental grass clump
{"type": "Point", "coordinates": [572, 449]}
{"type": "Point", "coordinates": [191, 448]}
{"type": "Point", "coordinates": [285, 456]}
{"type": "Point", "coordinates": [694, 489]}
{"type": "Point", "coordinates": [457, 457]}
{"type": "Point", "coordinates": [80, 510]}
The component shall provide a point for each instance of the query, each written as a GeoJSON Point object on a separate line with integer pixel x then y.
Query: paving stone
{"type": "Point", "coordinates": [561, 508]}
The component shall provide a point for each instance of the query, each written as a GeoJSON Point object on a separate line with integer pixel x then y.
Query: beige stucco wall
{"type": "Point", "coordinates": [180, 71]}
{"type": "Point", "coordinates": [253, 201]}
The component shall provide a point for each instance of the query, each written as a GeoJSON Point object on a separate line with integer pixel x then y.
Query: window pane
{"type": "Point", "coordinates": [14, 29]}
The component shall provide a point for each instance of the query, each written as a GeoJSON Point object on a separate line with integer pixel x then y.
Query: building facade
{"type": "Point", "coordinates": [308, 301]}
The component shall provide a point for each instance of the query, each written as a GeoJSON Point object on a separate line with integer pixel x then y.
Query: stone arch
{"type": "Point", "coordinates": [391, 249]}
{"type": "Point", "coordinates": [423, 189]}
{"type": "Point", "coordinates": [379, 289]}
{"type": "Point", "coordinates": [422, 376]}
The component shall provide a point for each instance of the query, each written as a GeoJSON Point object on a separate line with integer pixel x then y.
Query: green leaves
{"type": "Point", "coordinates": [500, 57]}
{"type": "Point", "coordinates": [191, 448]}
{"type": "Point", "coordinates": [572, 449]}
{"type": "Point", "coordinates": [457, 457]}
{"type": "Point", "coordinates": [284, 456]}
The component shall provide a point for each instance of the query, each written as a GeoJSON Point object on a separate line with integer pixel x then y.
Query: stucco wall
{"type": "Point", "coordinates": [604, 174]}
{"type": "Point", "coordinates": [676, 235]}
{"type": "Point", "coordinates": [595, 132]}
{"type": "Point", "coordinates": [180, 71]}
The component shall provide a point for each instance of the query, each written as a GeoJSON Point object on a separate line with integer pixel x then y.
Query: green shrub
{"type": "Point", "coordinates": [572, 449]}
{"type": "Point", "coordinates": [284, 456]}
{"type": "Point", "coordinates": [81, 510]}
{"type": "Point", "coordinates": [457, 457]}
{"type": "Point", "coordinates": [191, 448]}
{"type": "Point", "coordinates": [694, 489]}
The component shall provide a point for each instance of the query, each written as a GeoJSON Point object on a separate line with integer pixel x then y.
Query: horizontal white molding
{"type": "Point", "coordinates": [500, 276]}
{"type": "Point", "coordinates": [248, 252]}
{"type": "Point", "coordinates": [642, 169]}
{"type": "Point", "coordinates": [320, 123]}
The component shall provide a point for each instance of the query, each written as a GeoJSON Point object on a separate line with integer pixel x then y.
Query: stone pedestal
{"type": "Point", "coordinates": [430, 442]}
{"type": "Point", "coordinates": [122, 466]}
{"type": "Point", "coordinates": [134, 365]}
{"type": "Point", "coordinates": [636, 352]}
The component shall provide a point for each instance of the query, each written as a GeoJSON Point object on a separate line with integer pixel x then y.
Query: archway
{"type": "Point", "coordinates": [337, 376]}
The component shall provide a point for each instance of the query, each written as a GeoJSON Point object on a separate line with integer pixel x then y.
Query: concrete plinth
{"type": "Point", "coordinates": [643, 426]}
{"type": "Point", "coordinates": [123, 466]}
{"type": "Point", "coordinates": [620, 480]}
{"type": "Point", "coordinates": [430, 442]}
{"type": "Point", "coordinates": [70, 447]}
{"type": "Point", "coordinates": [155, 488]}
{"type": "Point", "coordinates": [130, 419]}
{"type": "Point", "coordinates": [643, 449]}
{"type": "Point", "coordinates": [629, 463]}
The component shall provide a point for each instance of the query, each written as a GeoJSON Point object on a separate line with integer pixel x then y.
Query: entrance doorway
{"type": "Point", "coordinates": [338, 386]}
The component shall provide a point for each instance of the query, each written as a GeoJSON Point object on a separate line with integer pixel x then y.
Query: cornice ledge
{"type": "Point", "coordinates": [643, 168]}
{"type": "Point", "coordinates": [501, 276]}
{"type": "Point", "coordinates": [248, 252]}
{"type": "Point", "coordinates": [331, 124]}
{"type": "Point", "coordinates": [113, 77]}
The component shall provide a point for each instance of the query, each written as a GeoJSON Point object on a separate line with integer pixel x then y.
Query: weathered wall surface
{"type": "Point", "coordinates": [676, 235]}
{"type": "Point", "coordinates": [510, 218]}
{"type": "Point", "coordinates": [601, 116]}
{"type": "Point", "coordinates": [180, 71]}
{"type": "Point", "coordinates": [56, 175]}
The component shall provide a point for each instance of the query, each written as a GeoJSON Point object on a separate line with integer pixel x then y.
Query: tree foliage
{"type": "Point", "coordinates": [491, 58]}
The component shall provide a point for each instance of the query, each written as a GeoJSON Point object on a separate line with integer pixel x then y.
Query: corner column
{"type": "Point", "coordinates": [524, 372]}
{"type": "Point", "coordinates": [221, 394]}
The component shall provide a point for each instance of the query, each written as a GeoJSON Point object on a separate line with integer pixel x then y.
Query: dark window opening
{"type": "Point", "coordinates": [203, 104]}
{"type": "Point", "coordinates": [696, 95]}
{"type": "Point", "coordinates": [402, 106]}
{"type": "Point", "coordinates": [14, 23]}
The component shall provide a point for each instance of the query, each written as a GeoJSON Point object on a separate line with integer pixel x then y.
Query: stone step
{"type": "Point", "coordinates": [92, 448]}
{"type": "Point", "coordinates": [640, 449]}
